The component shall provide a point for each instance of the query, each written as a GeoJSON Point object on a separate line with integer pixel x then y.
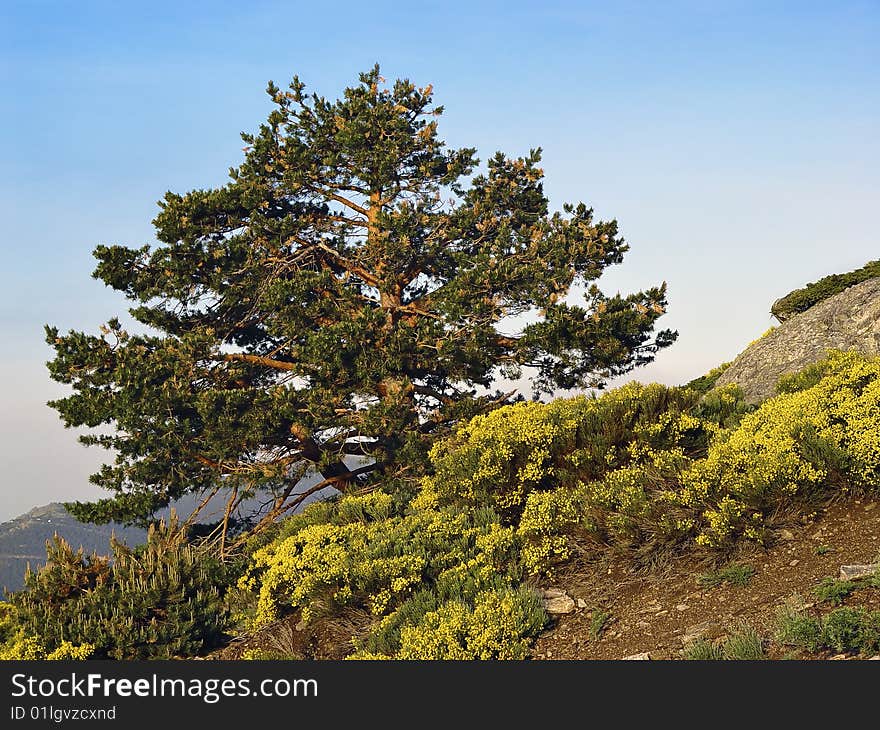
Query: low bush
{"type": "Point", "coordinates": [161, 600]}
{"type": "Point", "coordinates": [794, 448]}
{"type": "Point", "coordinates": [15, 644]}
{"type": "Point", "coordinates": [834, 591]}
{"type": "Point", "coordinates": [703, 650]}
{"type": "Point", "coordinates": [599, 622]}
{"type": "Point", "coordinates": [794, 627]}
{"type": "Point", "coordinates": [422, 571]}
{"type": "Point", "coordinates": [843, 630]}
{"type": "Point", "coordinates": [705, 383]}
{"type": "Point", "coordinates": [499, 459]}
{"type": "Point", "coordinates": [743, 644]}
{"type": "Point", "coordinates": [735, 575]}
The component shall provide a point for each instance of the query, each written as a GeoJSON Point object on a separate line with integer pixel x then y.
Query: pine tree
{"type": "Point", "coordinates": [340, 295]}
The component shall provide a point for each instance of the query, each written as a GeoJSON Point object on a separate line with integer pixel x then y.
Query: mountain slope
{"type": "Point", "coordinates": [23, 539]}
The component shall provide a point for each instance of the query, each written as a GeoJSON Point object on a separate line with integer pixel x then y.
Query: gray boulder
{"type": "Point", "coordinates": [849, 320]}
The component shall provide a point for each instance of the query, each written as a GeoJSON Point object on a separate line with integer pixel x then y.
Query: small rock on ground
{"type": "Point", "coordinates": [854, 572]}
{"type": "Point", "coordinates": [705, 630]}
{"type": "Point", "coordinates": [558, 602]}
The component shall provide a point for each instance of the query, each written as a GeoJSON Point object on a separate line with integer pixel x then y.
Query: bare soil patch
{"type": "Point", "coordinates": [655, 610]}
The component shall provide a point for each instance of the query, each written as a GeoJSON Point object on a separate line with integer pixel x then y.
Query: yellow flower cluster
{"type": "Point", "coordinates": [377, 562]}
{"type": "Point", "coordinates": [16, 645]}
{"type": "Point", "coordinates": [496, 626]}
{"type": "Point", "coordinates": [499, 457]}
{"type": "Point", "coordinates": [795, 445]}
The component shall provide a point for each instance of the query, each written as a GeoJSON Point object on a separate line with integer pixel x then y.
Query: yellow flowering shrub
{"type": "Point", "coordinates": [588, 466]}
{"type": "Point", "coordinates": [407, 567]}
{"type": "Point", "coordinates": [624, 507]}
{"type": "Point", "coordinates": [710, 468]}
{"type": "Point", "coordinates": [376, 563]}
{"type": "Point", "coordinates": [67, 650]}
{"type": "Point", "coordinates": [822, 432]}
{"type": "Point", "coordinates": [501, 458]}
{"type": "Point", "coordinates": [496, 626]}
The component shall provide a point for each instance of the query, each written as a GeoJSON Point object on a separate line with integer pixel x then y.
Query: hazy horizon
{"type": "Point", "coordinates": [735, 144]}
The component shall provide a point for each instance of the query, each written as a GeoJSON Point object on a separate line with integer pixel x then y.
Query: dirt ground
{"type": "Point", "coordinates": [658, 610]}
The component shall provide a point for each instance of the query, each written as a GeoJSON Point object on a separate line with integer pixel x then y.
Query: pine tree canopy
{"type": "Point", "coordinates": [345, 293]}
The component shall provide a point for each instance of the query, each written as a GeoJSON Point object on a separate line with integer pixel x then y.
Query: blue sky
{"type": "Point", "coordinates": [735, 142]}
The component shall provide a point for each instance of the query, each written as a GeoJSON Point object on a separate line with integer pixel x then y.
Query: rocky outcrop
{"type": "Point", "coordinates": [847, 321]}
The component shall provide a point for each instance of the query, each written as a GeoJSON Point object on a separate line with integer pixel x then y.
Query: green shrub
{"type": "Point", "coordinates": [599, 622]}
{"type": "Point", "coordinates": [8, 622]}
{"type": "Point", "coordinates": [161, 600]}
{"type": "Point", "coordinates": [854, 630]}
{"type": "Point", "coordinates": [735, 575]}
{"type": "Point", "coordinates": [703, 650]}
{"type": "Point", "coordinates": [706, 382]}
{"type": "Point", "coordinates": [869, 632]}
{"type": "Point", "coordinates": [842, 629]}
{"type": "Point", "coordinates": [795, 627]}
{"type": "Point", "coordinates": [800, 300]}
{"type": "Point", "coordinates": [15, 644]}
{"type": "Point", "coordinates": [723, 406]}
{"type": "Point", "coordinates": [743, 644]}
{"type": "Point", "coordinates": [834, 591]}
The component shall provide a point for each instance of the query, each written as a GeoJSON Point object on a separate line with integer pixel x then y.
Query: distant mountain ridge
{"type": "Point", "coordinates": [23, 539]}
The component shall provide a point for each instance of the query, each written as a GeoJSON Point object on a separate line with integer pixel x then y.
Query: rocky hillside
{"type": "Point", "coordinates": [609, 609]}
{"type": "Point", "coordinates": [849, 320]}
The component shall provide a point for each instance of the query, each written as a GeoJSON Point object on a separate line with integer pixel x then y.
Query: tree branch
{"type": "Point", "coordinates": [300, 498]}
{"type": "Point", "coordinates": [436, 395]}
{"type": "Point", "coordinates": [339, 199]}
{"type": "Point", "coordinates": [259, 360]}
